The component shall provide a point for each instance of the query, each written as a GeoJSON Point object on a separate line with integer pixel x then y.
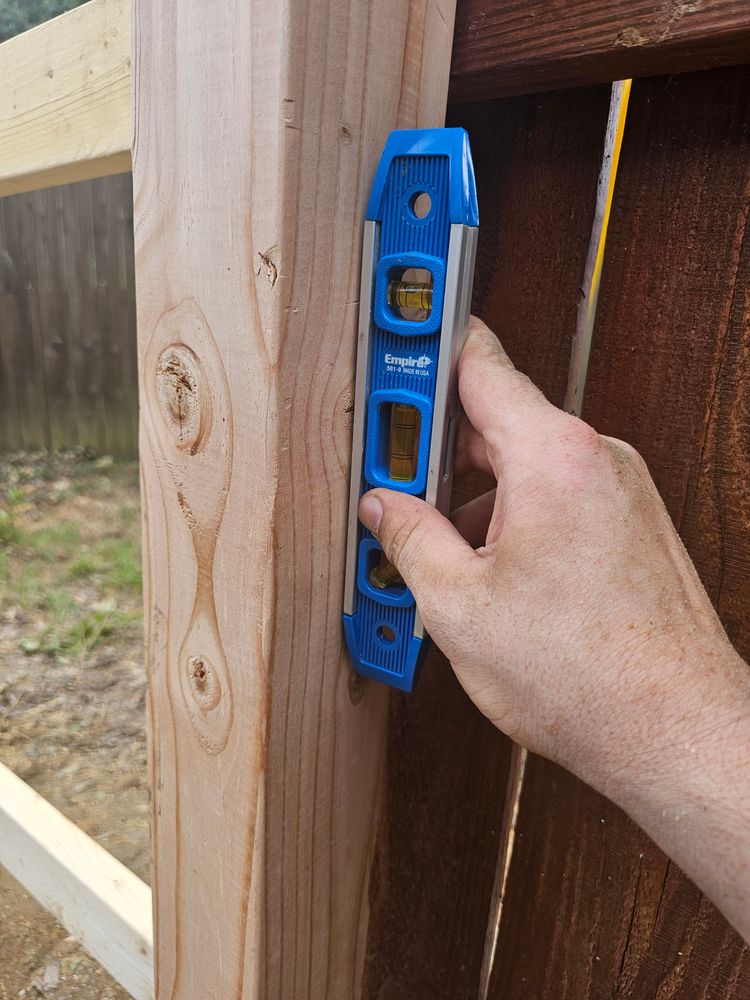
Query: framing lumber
{"type": "Point", "coordinates": [99, 900]}
{"type": "Point", "coordinates": [257, 131]}
{"type": "Point", "coordinates": [521, 46]}
{"type": "Point", "coordinates": [65, 107]}
{"type": "Point", "coordinates": [67, 114]}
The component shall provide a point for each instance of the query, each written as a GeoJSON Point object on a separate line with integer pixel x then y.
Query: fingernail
{"type": "Point", "coordinates": [370, 512]}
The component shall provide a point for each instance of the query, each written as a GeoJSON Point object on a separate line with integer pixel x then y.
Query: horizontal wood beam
{"type": "Point", "coordinates": [521, 46]}
{"type": "Point", "coordinates": [65, 108]}
{"type": "Point", "coordinates": [100, 901]}
{"type": "Point", "coordinates": [65, 114]}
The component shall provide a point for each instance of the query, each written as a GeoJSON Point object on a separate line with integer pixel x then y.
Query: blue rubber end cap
{"type": "Point", "coordinates": [405, 678]}
{"type": "Point", "coordinates": [450, 142]}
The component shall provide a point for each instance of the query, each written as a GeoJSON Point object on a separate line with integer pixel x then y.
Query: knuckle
{"type": "Point", "coordinates": [632, 453]}
{"type": "Point", "coordinates": [634, 458]}
{"type": "Point", "coordinates": [522, 388]}
{"type": "Point", "coordinates": [401, 540]}
{"type": "Point", "coordinates": [583, 435]}
{"type": "Point", "coordinates": [578, 453]}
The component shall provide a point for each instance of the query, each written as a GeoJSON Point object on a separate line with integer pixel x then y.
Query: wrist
{"type": "Point", "coordinates": [679, 704]}
{"type": "Point", "coordinates": [687, 772]}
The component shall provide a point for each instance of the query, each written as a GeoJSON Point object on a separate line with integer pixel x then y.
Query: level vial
{"type": "Point", "coordinates": [384, 574]}
{"type": "Point", "coordinates": [410, 295]}
{"type": "Point", "coordinates": [403, 442]}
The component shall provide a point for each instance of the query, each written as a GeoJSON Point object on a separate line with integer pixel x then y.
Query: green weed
{"type": "Point", "coordinates": [10, 533]}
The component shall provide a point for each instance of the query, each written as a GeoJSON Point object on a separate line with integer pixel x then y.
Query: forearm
{"type": "Point", "coordinates": [689, 785]}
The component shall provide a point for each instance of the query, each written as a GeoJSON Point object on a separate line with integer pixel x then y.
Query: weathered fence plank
{"type": "Point", "coordinates": [593, 907]}
{"type": "Point", "coordinates": [520, 46]}
{"type": "Point", "coordinates": [67, 323]}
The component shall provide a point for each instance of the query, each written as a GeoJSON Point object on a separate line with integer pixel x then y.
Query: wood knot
{"type": "Point", "coordinates": [203, 681]}
{"type": "Point", "coordinates": [268, 264]}
{"type": "Point", "coordinates": [357, 685]}
{"type": "Point", "coordinates": [200, 673]}
{"type": "Point", "coordinates": [183, 398]}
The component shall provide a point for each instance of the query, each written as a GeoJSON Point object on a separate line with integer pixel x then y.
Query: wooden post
{"type": "Point", "coordinates": [257, 129]}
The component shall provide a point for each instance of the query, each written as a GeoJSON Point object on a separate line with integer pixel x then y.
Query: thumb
{"type": "Point", "coordinates": [425, 548]}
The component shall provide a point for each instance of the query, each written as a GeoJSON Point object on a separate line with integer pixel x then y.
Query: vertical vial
{"type": "Point", "coordinates": [403, 448]}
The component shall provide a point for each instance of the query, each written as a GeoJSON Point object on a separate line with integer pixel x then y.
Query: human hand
{"type": "Point", "coordinates": [579, 615]}
{"type": "Point", "coordinates": [578, 624]}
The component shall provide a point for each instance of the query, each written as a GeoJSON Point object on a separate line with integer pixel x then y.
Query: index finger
{"type": "Point", "coordinates": [496, 397]}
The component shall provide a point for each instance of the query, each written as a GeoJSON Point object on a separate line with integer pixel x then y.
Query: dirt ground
{"type": "Point", "coordinates": [72, 688]}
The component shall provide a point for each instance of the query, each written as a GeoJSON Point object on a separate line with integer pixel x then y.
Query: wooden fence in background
{"type": "Point", "coordinates": [68, 368]}
{"type": "Point", "coordinates": [342, 842]}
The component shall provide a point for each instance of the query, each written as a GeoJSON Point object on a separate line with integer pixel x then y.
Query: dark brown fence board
{"type": "Point", "coordinates": [520, 46]}
{"type": "Point", "coordinates": [537, 161]}
{"type": "Point", "coordinates": [67, 323]}
{"type": "Point", "coordinates": [56, 335]}
{"type": "Point", "coordinates": [116, 368]}
{"type": "Point", "coordinates": [92, 411]}
{"type": "Point", "coordinates": [593, 908]}
{"type": "Point", "coordinates": [23, 382]}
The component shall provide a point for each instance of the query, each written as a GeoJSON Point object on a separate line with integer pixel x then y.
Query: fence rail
{"type": "Point", "coordinates": [91, 893]}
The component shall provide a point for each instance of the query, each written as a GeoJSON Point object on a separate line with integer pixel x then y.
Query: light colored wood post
{"type": "Point", "coordinates": [257, 130]}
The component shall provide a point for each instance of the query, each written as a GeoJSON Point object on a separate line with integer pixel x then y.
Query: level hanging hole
{"type": "Point", "coordinates": [421, 205]}
{"type": "Point", "coordinates": [410, 294]}
{"type": "Point", "coordinates": [386, 634]}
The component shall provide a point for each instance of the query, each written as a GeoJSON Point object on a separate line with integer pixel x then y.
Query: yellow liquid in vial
{"type": "Point", "coordinates": [384, 574]}
{"type": "Point", "coordinates": [410, 295]}
{"type": "Point", "coordinates": [403, 448]}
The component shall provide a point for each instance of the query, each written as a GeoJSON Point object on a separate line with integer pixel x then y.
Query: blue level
{"type": "Point", "coordinates": [417, 273]}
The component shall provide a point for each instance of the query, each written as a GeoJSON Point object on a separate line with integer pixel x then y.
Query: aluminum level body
{"type": "Point", "coordinates": [410, 362]}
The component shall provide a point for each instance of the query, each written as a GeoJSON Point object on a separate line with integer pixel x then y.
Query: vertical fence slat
{"type": "Point", "coordinates": [67, 318]}
{"type": "Point", "coordinates": [593, 907]}
{"type": "Point", "coordinates": [54, 326]}
{"type": "Point", "coordinates": [21, 324]}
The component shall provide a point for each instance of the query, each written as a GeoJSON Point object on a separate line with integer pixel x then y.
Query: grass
{"type": "Point", "coordinates": [70, 565]}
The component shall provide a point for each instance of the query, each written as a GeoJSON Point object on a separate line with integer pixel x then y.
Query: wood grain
{"type": "Point", "coordinates": [65, 108]}
{"type": "Point", "coordinates": [91, 893]}
{"type": "Point", "coordinates": [257, 132]}
{"type": "Point", "coordinates": [519, 46]}
{"type": "Point", "coordinates": [66, 114]}
{"type": "Point", "coordinates": [68, 345]}
{"type": "Point", "coordinates": [594, 908]}
{"type": "Point", "coordinates": [536, 161]}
